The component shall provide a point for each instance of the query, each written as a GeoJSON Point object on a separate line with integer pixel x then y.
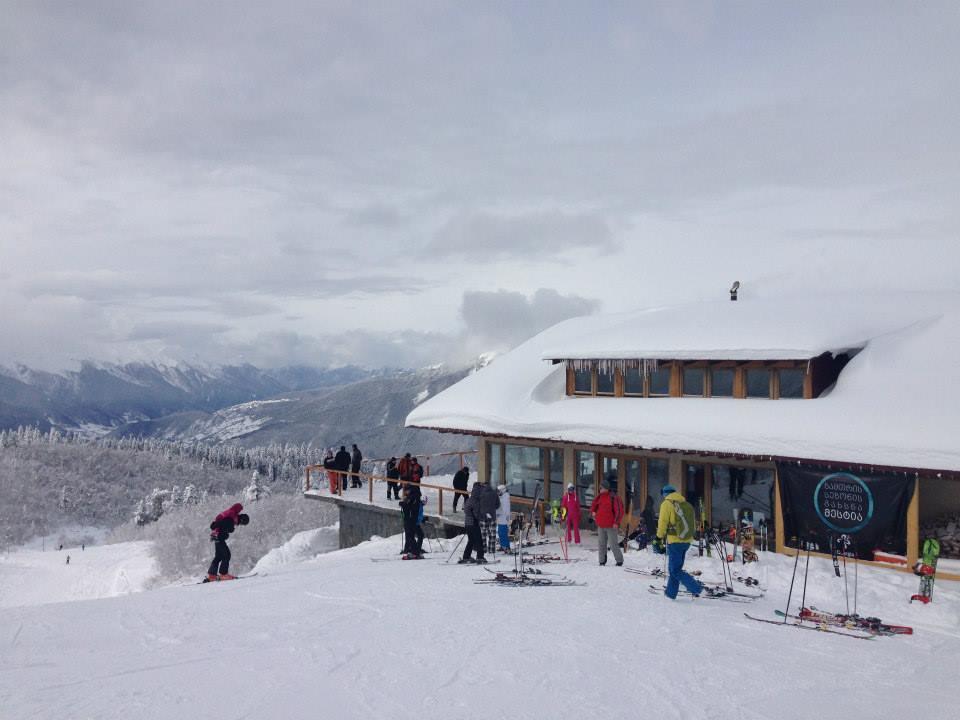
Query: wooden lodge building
{"type": "Point", "coordinates": [825, 415]}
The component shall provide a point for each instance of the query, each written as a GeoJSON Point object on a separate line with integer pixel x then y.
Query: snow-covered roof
{"type": "Point", "coordinates": [897, 403]}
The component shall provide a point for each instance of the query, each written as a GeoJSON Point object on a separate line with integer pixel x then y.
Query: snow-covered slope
{"type": "Point", "coordinates": [34, 577]}
{"type": "Point", "coordinates": [340, 636]}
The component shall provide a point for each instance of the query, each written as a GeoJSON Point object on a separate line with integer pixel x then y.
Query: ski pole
{"type": "Point", "coordinates": [793, 577]}
{"type": "Point", "coordinates": [455, 547]}
{"type": "Point", "coordinates": [803, 600]}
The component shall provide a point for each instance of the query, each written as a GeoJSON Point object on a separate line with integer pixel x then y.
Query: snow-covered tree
{"type": "Point", "coordinates": [140, 515]}
{"type": "Point", "coordinates": [256, 490]}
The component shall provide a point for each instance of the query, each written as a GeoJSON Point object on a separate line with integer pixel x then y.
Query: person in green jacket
{"type": "Point", "coordinates": [675, 530]}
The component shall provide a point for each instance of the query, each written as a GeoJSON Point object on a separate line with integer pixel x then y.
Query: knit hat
{"type": "Point", "coordinates": [667, 489]}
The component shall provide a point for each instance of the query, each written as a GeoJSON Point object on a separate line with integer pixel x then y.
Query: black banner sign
{"type": "Point", "coordinates": [820, 504]}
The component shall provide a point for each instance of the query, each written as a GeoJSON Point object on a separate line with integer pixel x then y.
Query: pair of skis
{"type": "Point", "coordinates": [526, 579]}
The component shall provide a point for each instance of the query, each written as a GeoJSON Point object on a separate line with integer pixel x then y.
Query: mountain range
{"type": "Point", "coordinates": [237, 404]}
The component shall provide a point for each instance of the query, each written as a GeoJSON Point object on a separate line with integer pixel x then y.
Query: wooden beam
{"type": "Point", "coordinates": [913, 526]}
{"type": "Point", "coordinates": [778, 514]}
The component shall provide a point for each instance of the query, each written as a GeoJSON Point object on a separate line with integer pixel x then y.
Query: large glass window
{"type": "Point", "coordinates": [556, 474]}
{"type": "Point", "coordinates": [758, 383]}
{"type": "Point", "coordinates": [493, 459]}
{"type": "Point", "coordinates": [658, 475]}
{"type": "Point", "coordinates": [583, 382]}
{"type": "Point", "coordinates": [610, 471]}
{"type": "Point", "coordinates": [524, 469]}
{"type": "Point", "coordinates": [694, 486]}
{"type": "Point", "coordinates": [586, 473]}
{"type": "Point", "coordinates": [693, 382]}
{"type": "Point", "coordinates": [604, 382]}
{"type": "Point", "coordinates": [660, 381]}
{"type": "Point", "coordinates": [736, 489]}
{"type": "Point", "coordinates": [633, 381]}
{"type": "Point", "coordinates": [791, 383]}
{"type": "Point", "coordinates": [721, 382]}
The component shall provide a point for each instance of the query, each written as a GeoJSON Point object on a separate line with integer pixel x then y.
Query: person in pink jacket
{"type": "Point", "coordinates": [571, 503]}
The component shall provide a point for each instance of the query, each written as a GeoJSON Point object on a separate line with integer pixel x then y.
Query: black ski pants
{"type": "Point", "coordinates": [412, 536]}
{"type": "Point", "coordinates": [457, 497]}
{"type": "Point", "coordinates": [221, 558]}
{"type": "Point", "coordinates": [393, 487]}
{"type": "Point", "coordinates": [474, 542]}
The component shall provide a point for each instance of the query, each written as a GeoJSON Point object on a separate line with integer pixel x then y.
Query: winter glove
{"type": "Point", "coordinates": [657, 546]}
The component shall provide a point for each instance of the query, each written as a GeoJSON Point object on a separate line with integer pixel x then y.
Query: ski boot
{"type": "Point", "coordinates": [211, 578]}
{"type": "Point", "coordinates": [227, 576]}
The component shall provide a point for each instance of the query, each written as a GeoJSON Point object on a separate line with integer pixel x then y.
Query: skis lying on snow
{"type": "Point", "coordinates": [860, 635]}
{"type": "Point", "coordinates": [526, 580]}
{"type": "Point", "coordinates": [536, 559]}
{"type": "Point", "coordinates": [471, 563]}
{"type": "Point", "coordinates": [871, 624]}
{"type": "Point", "coordinates": [237, 577]}
{"type": "Point", "coordinates": [405, 556]}
{"type": "Point", "coordinates": [654, 572]}
{"type": "Point", "coordinates": [525, 571]}
{"type": "Point", "coordinates": [710, 593]}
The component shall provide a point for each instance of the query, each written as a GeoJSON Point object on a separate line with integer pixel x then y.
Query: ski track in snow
{"type": "Point", "coordinates": [335, 635]}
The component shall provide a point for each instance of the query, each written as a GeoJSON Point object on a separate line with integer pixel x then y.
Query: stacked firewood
{"type": "Point", "coordinates": [946, 528]}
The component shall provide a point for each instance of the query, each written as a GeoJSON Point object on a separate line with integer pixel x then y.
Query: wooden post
{"type": "Point", "coordinates": [913, 525]}
{"type": "Point", "coordinates": [306, 485]}
{"type": "Point", "coordinates": [369, 489]}
{"type": "Point", "coordinates": [440, 502]}
{"type": "Point", "coordinates": [778, 515]}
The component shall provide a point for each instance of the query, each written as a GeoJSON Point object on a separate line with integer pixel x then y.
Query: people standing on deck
{"type": "Point", "coordinates": [571, 503]}
{"type": "Point", "coordinates": [356, 460]}
{"type": "Point", "coordinates": [393, 474]}
{"type": "Point", "coordinates": [329, 465]}
{"type": "Point", "coordinates": [607, 510]}
{"type": "Point", "coordinates": [460, 480]}
{"type": "Point", "coordinates": [341, 462]}
{"type": "Point", "coordinates": [471, 524]}
{"type": "Point", "coordinates": [405, 466]}
{"type": "Point", "coordinates": [416, 471]}
{"type": "Point", "coordinates": [503, 518]}
{"type": "Point", "coordinates": [674, 534]}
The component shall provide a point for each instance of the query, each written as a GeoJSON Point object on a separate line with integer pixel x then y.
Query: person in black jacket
{"type": "Point", "coordinates": [220, 530]}
{"type": "Point", "coordinates": [471, 523]}
{"type": "Point", "coordinates": [356, 459]}
{"type": "Point", "coordinates": [393, 474]}
{"type": "Point", "coordinates": [341, 461]}
{"type": "Point", "coordinates": [410, 508]}
{"type": "Point", "coordinates": [460, 480]}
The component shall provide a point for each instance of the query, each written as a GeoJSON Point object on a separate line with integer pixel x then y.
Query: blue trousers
{"type": "Point", "coordinates": [676, 554]}
{"type": "Point", "coordinates": [503, 533]}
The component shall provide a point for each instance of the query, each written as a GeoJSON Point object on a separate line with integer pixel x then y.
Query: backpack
{"type": "Point", "coordinates": [685, 522]}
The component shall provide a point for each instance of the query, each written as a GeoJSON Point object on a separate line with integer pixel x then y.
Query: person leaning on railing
{"type": "Point", "coordinates": [460, 480]}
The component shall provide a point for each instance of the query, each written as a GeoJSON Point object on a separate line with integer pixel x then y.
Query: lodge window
{"type": "Point", "coordinates": [693, 382]}
{"type": "Point", "coordinates": [586, 476]}
{"type": "Point", "coordinates": [791, 382]}
{"type": "Point", "coordinates": [700, 378]}
{"type": "Point", "coordinates": [758, 383]}
{"type": "Point", "coordinates": [555, 468]}
{"type": "Point", "coordinates": [605, 382]}
{"type": "Point", "coordinates": [658, 381]}
{"type": "Point", "coordinates": [583, 382]}
{"type": "Point", "coordinates": [523, 469]}
{"type": "Point", "coordinates": [721, 382]}
{"type": "Point", "coordinates": [633, 381]}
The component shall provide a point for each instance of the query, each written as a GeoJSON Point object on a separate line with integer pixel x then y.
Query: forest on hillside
{"type": "Point", "coordinates": [49, 480]}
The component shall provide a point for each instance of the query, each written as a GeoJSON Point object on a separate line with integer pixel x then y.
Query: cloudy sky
{"type": "Point", "coordinates": [405, 182]}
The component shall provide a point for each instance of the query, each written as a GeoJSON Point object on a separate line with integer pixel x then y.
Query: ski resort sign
{"type": "Point", "coordinates": [843, 502]}
{"type": "Point", "coordinates": [819, 503]}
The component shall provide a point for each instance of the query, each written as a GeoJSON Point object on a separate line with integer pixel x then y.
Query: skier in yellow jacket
{"type": "Point", "coordinates": [675, 528]}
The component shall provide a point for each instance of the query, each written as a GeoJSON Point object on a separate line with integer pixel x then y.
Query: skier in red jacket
{"type": "Point", "coordinates": [220, 529]}
{"type": "Point", "coordinates": [607, 510]}
{"type": "Point", "coordinates": [571, 503]}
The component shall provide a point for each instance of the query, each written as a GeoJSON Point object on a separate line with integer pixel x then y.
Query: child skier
{"type": "Point", "coordinates": [220, 529]}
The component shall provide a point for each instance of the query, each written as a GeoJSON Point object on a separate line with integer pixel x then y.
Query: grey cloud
{"type": "Point", "coordinates": [487, 236]}
{"type": "Point", "coordinates": [501, 320]}
{"type": "Point", "coordinates": [177, 332]}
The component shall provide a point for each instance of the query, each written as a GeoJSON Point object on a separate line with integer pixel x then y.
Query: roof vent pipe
{"type": "Point", "coordinates": [733, 291]}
